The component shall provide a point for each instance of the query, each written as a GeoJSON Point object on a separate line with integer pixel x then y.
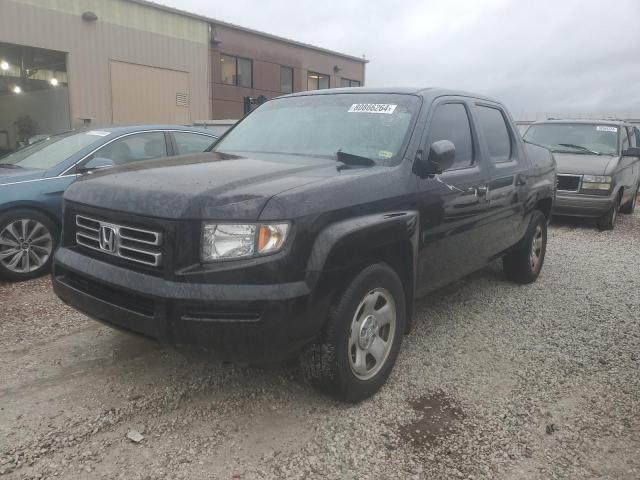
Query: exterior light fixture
{"type": "Point", "coordinates": [17, 89]}
{"type": "Point", "coordinates": [89, 16]}
{"type": "Point", "coordinates": [4, 65]}
{"type": "Point", "coordinates": [54, 82]}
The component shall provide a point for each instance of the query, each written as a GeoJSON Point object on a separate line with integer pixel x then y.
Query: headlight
{"type": "Point", "coordinates": [221, 241]}
{"type": "Point", "coordinates": [595, 182]}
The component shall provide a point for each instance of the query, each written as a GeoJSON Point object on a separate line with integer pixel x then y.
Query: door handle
{"type": "Point", "coordinates": [481, 190]}
{"type": "Point", "coordinates": [521, 179]}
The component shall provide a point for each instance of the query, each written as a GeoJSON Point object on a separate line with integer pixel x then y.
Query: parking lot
{"type": "Point", "coordinates": [496, 381]}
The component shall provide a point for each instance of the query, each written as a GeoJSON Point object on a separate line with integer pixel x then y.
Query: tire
{"type": "Point", "coordinates": [608, 220]}
{"type": "Point", "coordinates": [524, 262]}
{"type": "Point", "coordinates": [359, 345]}
{"type": "Point", "coordinates": [629, 208]}
{"type": "Point", "coordinates": [28, 239]}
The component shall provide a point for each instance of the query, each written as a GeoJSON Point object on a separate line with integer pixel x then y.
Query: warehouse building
{"type": "Point", "coordinates": [73, 63]}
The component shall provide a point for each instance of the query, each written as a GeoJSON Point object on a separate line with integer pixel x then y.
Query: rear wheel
{"type": "Point", "coordinates": [27, 241]}
{"type": "Point", "coordinates": [629, 207]}
{"type": "Point", "coordinates": [608, 220]}
{"type": "Point", "coordinates": [357, 349]}
{"type": "Point", "coordinates": [524, 262]}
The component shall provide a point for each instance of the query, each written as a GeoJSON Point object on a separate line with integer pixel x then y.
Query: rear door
{"type": "Point", "coordinates": [508, 170]}
{"type": "Point", "coordinates": [452, 205]}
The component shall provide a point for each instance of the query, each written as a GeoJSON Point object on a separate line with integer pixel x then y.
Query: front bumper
{"type": "Point", "coordinates": [581, 205]}
{"type": "Point", "coordinates": [243, 323]}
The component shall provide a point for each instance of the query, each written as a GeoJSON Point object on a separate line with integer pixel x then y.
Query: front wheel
{"type": "Point", "coordinates": [524, 262]}
{"type": "Point", "coordinates": [629, 207]}
{"type": "Point", "coordinates": [27, 241]}
{"type": "Point", "coordinates": [608, 220]}
{"type": "Point", "coordinates": [357, 349]}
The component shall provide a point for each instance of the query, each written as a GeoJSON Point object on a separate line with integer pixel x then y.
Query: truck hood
{"type": "Point", "coordinates": [583, 164]}
{"type": "Point", "coordinates": [13, 175]}
{"type": "Point", "coordinates": [204, 186]}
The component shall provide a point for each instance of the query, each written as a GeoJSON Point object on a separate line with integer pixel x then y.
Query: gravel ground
{"type": "Point", "coordinates": [496, 381]}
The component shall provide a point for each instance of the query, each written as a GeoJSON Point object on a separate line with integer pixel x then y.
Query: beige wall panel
{"type": "Point", "coordinates": [91, 46]}
{"type": "Point", "coordinates": [142, 94]}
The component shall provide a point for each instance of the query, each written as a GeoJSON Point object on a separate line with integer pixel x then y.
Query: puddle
{"type": "Point", "coordinates": [437, 416]}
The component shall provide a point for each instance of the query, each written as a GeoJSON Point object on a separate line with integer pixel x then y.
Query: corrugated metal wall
{"type": "Point", "coordinates": [125, 32]}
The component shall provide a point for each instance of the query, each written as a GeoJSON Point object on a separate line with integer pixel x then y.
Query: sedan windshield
{"type": "Point", "coordinates": [373, 126]}
{"type": "Point", "coordinates": [51, 151]}
{"type": "Point", "coordinates": [588, 139]}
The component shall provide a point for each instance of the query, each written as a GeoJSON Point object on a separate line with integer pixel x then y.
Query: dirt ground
{"type": "Point", "coordinates": [496, 381]}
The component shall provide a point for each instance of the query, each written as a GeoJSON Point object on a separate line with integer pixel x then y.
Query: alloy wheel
{"type": "Point", "coordinates": [25, 246]}
{"type": "Point", "coordinates": [372, 332]}
{"type": "Point", "coordinates": [536, 248]}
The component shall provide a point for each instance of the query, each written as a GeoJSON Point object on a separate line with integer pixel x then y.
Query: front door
{"type": "Point", "coordinates": [453, 205]}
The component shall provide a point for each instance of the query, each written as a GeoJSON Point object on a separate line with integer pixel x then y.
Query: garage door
{"type": "Point", "coordinates": [142, 94]}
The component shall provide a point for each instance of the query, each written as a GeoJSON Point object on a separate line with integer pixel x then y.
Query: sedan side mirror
{"type": "Point", "coordinates": [631, 152]}
{"type": "Point", "coordinates": [442, 154]}
{"type": "Point", "coordinates": [96, 163]}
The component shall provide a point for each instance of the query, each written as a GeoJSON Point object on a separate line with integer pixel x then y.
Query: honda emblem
{"type": "Point", "coordinates": [108, 238]}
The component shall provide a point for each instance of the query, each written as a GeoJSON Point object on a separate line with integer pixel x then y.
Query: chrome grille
{"type": "Point", "coordinates": [569, 183]}
{"type": "Point", "coordinates": [130, 243]}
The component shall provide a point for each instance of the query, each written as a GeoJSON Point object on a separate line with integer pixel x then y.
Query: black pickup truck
{"type": "Point", "coordinates": [310, 229]}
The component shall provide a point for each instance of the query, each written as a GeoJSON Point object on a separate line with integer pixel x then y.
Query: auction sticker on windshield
{"type": "Point", "coordinates": [372, 108]}
{"type": "Point", "coordinates": [98, 133]}
{"type": "Point", "coordinates": [601, 128]}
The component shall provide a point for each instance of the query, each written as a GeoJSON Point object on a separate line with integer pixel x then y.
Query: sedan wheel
{"type": "Point", "coordinates": [26, 245]}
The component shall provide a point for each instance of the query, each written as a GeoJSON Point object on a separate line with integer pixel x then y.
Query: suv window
{"type": "Point", "coordinates": [633, 141]}
{"type": "Point", "coordinates": [451, 122]}
{"type": "Point", "coordinates": [191, 142]}
{"type": "Point", "coordinates": [625, 139]}
{"type": "Point", "coordinates": [139, 146]}
{"type": "Point", "coordinates": [496, 133]}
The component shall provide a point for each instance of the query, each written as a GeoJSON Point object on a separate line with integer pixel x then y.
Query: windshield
{"type": "Point", "coordinates": [575, 137]}
{"type": "Point", "coordinates": [375, 126]}
{"type": "Point", "coordinates": [53, 150]}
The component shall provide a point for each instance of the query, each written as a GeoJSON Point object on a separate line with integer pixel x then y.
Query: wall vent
{"type": "Point", "coordinates": [182, 99]}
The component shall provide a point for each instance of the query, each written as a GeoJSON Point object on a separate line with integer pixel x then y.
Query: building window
{"type": "Point", "coordinates": [345, 82]}
{"type": "Point", "coordinates": [286, 79]}
{"type": "Point", "coordinates": [236, 71]}
{"type": "Point", "coordinates": [317, 81]}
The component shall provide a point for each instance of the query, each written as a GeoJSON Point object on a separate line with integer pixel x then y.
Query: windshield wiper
{"type": "Point", "coordinates": [9, 165]}
{"type": "Point", "coordinates": [579, 147]}
{"type": "Point", "coordinates": [352, 159]}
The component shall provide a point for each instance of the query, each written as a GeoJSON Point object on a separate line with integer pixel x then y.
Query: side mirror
{"type": "Point", "coordinates": [441, 157]}
{"type": "Point", "coordinates": [631, 152]}
{"type": "Point", "coordinates": [96, 163]}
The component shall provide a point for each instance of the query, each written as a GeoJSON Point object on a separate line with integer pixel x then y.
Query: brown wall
{"type": "Point", "coordinates": [268, 55]}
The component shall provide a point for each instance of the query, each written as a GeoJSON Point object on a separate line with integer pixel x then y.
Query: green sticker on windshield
{"type": "Point", "coordinates": [385, 154]}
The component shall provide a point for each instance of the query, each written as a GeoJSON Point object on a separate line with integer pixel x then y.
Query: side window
{"type": "Point", "coordinates": [139, 146]}
{"type": "Point", "coordinates": [496, 133]}
{"type": "Point", "coordinates": [625, 138]}
{"type": "Point", "coordinates": [191, 142]}
{"type": "Point", "coordinates": [637, 136]}
{"type": "Point", "coordinates": [451, 122]}
{"type": "Point", "coordinates": [633, 140]}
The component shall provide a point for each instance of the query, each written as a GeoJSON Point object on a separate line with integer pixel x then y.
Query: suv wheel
{"type": "Point", "coordinates": [357, 349]}
{"type": "Point", "coordinates": [523, 263]}
{"type": "Point", "coordinates": [27, 241]}
{"type": "Point", "coordinates": [608, 220]}
{"type": "Point", "coordinates": [629, 208]}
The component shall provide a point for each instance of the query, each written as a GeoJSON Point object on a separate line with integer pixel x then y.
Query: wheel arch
{"type": "Point", "coordinates": [37, 207]}
{"type": "Point", "coordinates": [343, 249]}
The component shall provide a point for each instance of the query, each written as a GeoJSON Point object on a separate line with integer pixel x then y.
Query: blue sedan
{"type": "Point", "coordinates": [32, 181]}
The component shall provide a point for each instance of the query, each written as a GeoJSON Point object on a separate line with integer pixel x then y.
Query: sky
{"type": "Point", "coordinates": [542, 56]}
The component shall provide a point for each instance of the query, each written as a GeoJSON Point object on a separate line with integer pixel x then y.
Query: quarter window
{"type": "Point", "coordinates": [286, 79]}
{"type": "Point", "coordinates": [633, 141]}
{"type": "Point", "coordinates": [496, 133]}
{"type": "Point", "coordinates": [236, 71]}
{"type": "Point", "coordinates": [317, 81]}
{"type": "Point", "coordinates": [139, 146]}
{"type": "Point", "coordinates": [191, 142]}
{"type": "Point", "coordinates": [345, 82]}
{"type": "Point", "coordinates": [451, 122]}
